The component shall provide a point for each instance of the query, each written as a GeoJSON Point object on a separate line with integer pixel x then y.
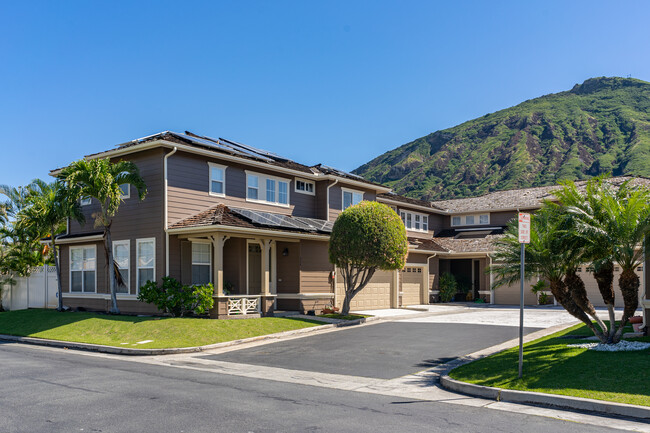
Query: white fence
{"type": "Point", "coordinates": [36, 291]}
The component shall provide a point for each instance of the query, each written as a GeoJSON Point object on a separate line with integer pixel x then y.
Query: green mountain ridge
{"type": "Point", "coordinates": [599, 126]}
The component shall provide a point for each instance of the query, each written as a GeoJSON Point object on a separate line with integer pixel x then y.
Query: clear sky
{"type": "Point", "coordinates": [337, 82]}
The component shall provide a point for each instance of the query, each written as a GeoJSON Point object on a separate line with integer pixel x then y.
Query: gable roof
{"type": "Point", "coordinates": [523, 198]}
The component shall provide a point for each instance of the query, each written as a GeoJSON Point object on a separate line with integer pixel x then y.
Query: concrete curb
{"type": "Point", "coordinates": [115, 350]}
{"type": "Point", "coordinates": [534, 398]}
{"type": "Point", "coordinates": [551, 400]}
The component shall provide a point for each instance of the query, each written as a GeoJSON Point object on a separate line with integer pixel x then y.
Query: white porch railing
{"type": "Point", "coordinates": [243, 304]}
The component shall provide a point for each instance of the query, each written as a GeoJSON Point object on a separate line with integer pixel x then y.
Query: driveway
{"type": "Point", "coordinates": [392, 349]}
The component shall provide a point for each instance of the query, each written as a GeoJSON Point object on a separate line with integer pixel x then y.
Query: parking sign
{"type": "Point", "coordinates": [524, 228]}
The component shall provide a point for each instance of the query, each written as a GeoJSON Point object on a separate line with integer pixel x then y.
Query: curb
{"type": "Point", "coordinates": [551, 400]}
{"type": "Point", "coordinates": [114, 350]}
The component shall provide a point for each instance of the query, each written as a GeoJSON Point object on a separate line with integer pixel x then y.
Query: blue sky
{"type": "Point", "coordinates": [316, 81]}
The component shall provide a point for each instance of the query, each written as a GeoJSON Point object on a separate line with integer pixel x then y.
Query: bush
{"type": "Point", "coordinates": [448, 287]}
{"type": "Point", "coordinates": [538, 289]}
{"type": "Point", "coordinates": [178, 300]}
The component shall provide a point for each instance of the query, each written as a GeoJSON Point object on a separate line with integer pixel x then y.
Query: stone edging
{"type": "Point", "coordinates": [115, 350]}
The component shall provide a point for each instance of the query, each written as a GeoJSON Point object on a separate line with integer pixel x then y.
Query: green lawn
{"type": "Point", "coordinates": [552, 367]}
{"type": "Point", "coordinates": [127, 331]}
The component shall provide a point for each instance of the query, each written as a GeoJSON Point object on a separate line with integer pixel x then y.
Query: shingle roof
{"type": "Point", "coordinates": [468, 245]}
{"type": "Point", "coordinates": [425, 245]}
{"type": "Point", "coordinates": [523, 198]}
{"type": "Point", "coordinates": [407, 200]}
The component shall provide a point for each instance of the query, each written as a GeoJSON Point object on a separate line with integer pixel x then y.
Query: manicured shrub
{"type": "Point", "coordinates": [176, 299]}
{"type": "Point", "coordinates": [448, 287]}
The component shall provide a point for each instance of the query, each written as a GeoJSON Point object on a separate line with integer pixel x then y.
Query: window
{"type": "Point", "coordinates": [415, 221]}
{"type": "Point", "coordinates": [121, 255]}
{"type": "Point", "coordinates": [85, 201]}
{"type": "Point", "coordinates": [253, 183]}
{"type": "Point", "coordinates": [351, 197]}
{"type": "Point", "coordinates": [126, 190]}
{"type": "Point", "coordinates": [201, 263]}
{"type": "Point", "coordinates": [146, 260]}
{"type": "Point", "coordinates": [470, 220]}
{"type": "Point", "coordinates": [304, 187]}
{"type": "Point", "coordinates": [217, 179]}
{"type": "Point", "coordinates": [267, 189]}
{"type": "Point", "coordinates": [83, 269]}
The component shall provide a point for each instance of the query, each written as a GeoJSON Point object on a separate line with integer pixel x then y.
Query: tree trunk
{"type": "Point", "coordinates": [345, 308]}
{"type": "Point", "coordinates": [108, 244]}
{"type": "Point", "coordinates": [562, 295]}
{"type": "Point", "coordinates": [57, 266]}
{"type": "Point", "coordinates": [629, 285]}
{"type": "Point", "coordinates": [604, 276]}
{"type": "Point", "coordinates": [579, 295]}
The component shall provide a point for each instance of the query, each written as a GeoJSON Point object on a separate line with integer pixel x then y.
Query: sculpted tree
{"type": "Point", "coordinates": [101, 179]}
{"type": "Point", "coordinates": [366, 237]}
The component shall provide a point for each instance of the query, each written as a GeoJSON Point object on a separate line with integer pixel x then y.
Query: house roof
{"type": "Point", "coordinates": [407, 200]}
{"type": "Point", "coordinates": [523, 198]}
{"type": "Point", "coordinates": [247, 218]}
{"type": "Point", "coordinates": [416, 244]}
{"type": "Point", "coordinates": [233, 148]}
{"type": "Point", "coordinates": [482, 244]}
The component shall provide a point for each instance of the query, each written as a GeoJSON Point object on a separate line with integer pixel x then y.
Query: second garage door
{"type": "Point", "coordinates": [411, 280]}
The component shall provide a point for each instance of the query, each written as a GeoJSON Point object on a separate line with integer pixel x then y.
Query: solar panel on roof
{"type": "Point", "coordinates": [255, 149]}
{"type": "Point", "coordinates": [276, 220]}
{"type": "Point", "coordinates": [209, 142]}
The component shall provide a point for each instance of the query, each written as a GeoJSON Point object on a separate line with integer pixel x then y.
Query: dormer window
{"type": "Point", "coordinates": [415, 221]}
{"type": "Point", "coordinates": [470, 220]}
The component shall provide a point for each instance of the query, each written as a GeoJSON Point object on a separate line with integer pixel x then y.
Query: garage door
{"type": "Point", "coordinates": [509, 295]}
{"type": "Point", "coordinates": [410, 285]}
{"type": "Point", "coordinates": [591, 285]}
{"type": "Point", "coordinates": [376, 295]}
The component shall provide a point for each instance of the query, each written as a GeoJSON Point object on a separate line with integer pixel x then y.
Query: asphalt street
{"type": "Point", "coordinates": [53, 390]}
{"type": "Point", "coordinates": [384, 351]}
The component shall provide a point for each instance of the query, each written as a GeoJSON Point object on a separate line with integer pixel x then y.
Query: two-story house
{"type": "Point", "coordinates": [257, 226]}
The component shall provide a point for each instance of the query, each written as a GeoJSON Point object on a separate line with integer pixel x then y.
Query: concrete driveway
{"type": "Point", "coordinates": [392, 349]}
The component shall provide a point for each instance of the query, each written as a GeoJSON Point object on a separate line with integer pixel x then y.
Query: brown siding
{"type": "Point", "coordinates": [416, 258]}
{"type": "Point", "coordinates": [234, 264]}
{"type": "Point", "coordinates": [321, 199]}
{"type": "Point", "coordinates": [188, 180]}
{"type": "Point", "coordinates": [314, 267]}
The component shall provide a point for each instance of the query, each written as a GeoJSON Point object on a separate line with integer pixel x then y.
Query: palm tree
{"type": "Point", "coordinates": [101, 179]}
{"type": "Point", "coordinates": [49, 207]}
{"type": "Point", "coordinates": [551, 255]}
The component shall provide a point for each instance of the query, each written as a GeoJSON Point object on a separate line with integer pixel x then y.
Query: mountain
{"type": "Point", "coordinates": [599, 126]}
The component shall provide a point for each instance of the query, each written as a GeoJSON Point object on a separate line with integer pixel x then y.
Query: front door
{"type": "Point", "coordinates": [477, 278]}
{"type": "Point", "coordinates": [254, 286]}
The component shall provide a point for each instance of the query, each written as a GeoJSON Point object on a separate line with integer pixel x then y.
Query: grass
{"type": "Point", "coordinates": [344, 317]}
{"type": "Point", "coordinates": [127, 331]}
{"type": "Point", "coordinates": [552, 367]}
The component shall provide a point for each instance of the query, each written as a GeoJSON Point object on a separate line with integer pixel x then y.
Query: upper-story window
{"type": "Point", "coordinates": [351, 197]}
{"type": "Point", "coordinates": [267, 189]}
{"type": "Point", "coordinates": [470, 220]}
{"type": "Point", "coordinates": [217, 179]}
{"type": "Point", "coordinates": [305, 187]}
{"type": "Point", "coordinates": [85, 201]}
{"type": "Point", "coordinates": [415, 221]}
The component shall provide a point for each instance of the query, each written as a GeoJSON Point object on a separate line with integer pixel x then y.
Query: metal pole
{"type": "Point", "coordinates": [521, 315]}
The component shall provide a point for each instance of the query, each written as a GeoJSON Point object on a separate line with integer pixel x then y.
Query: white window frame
{"type": "Point", "coordinates": [223, 168]}
{"type": "Point", "coordinates": [203, 264]}
{"type": "Point", "coordinates": [80, 247]}
{"type": "Point", "coordinates": [85, 201]}
{"type": "Point", "coordinates": [261, 189]}
{"type": "Point", "coordinates": [353, 192]}
{"type": "Point", "coordinates": [405, 214]}
{"type": "Point", "coordinates": [126, 242]}
{"type": "Point", "coordinates": [137, 259]}
{"type": "Point", "coordinates": [305, 182]}
{"type": "Point", "coordinates": [477, 220]}
{"type": "Point", "coordinates": [128, 191]}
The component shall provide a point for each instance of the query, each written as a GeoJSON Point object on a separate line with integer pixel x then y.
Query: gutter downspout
{"type": "Point", "coordinates": [428, 270]}
{"type": "Point", "coordinates": [166, 222]}
{"type": "Point", "coordinates": [328, 198]}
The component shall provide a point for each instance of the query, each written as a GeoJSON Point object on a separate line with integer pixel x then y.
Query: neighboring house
{"type": "Point", "coordinates": [257, 226]}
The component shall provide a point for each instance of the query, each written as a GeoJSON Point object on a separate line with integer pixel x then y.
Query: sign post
{"type": "Point", "coordinates": [524, 238]}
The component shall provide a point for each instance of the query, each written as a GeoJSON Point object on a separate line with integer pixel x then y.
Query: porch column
{"type": "Point", "coordinates": [217, 247]}
{"type": "Point", "coordinates": [267, 245]}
